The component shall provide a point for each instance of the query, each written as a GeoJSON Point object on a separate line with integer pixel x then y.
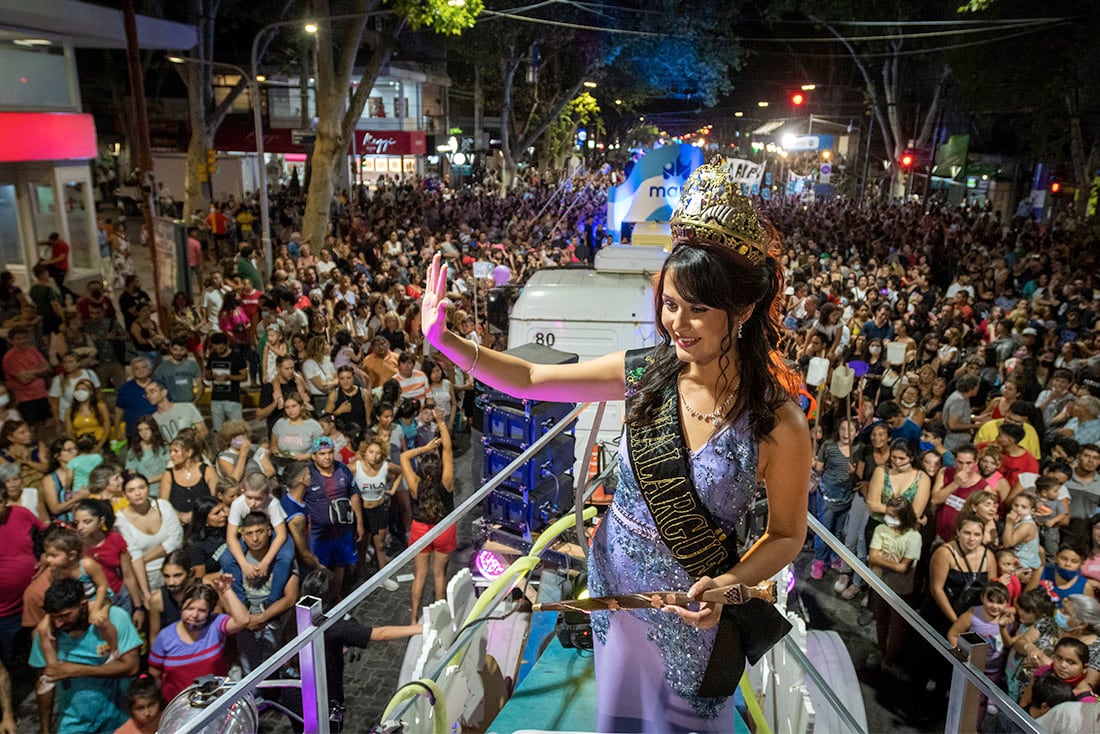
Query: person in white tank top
{"type": "Point", "coordinates": [377, 480]}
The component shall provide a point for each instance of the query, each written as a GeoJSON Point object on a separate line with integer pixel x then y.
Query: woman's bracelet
{"type": "Point", "coordinates": [477, 356]}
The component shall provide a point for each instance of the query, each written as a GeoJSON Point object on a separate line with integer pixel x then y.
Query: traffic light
{"type": "Point", "coordinates": [1055, 187]}
{"type": "Point", "coordinates": [907, 159]}
{"type": "Point", "coordinates": [797, 99]}
{"type": "Point", "coordinates": [211, 161]}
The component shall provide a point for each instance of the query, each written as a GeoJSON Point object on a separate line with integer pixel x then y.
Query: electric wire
{"type": "Point", "coordinates": [1038, 25]}
{"type": "Point", "coordinates": [915, 51]}
{"type": "Point", "coordinates": [806, 21]}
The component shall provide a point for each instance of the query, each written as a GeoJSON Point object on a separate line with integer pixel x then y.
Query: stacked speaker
{"type": "Point", "coordinates": [534, 494]}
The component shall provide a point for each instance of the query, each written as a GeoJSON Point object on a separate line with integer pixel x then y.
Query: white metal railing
{"type": "Point", "coordinates": [968, 680]}
{"type": "Point", "coordinates": [312, 626]}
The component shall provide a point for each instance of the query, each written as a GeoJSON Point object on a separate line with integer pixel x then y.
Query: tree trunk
{"type": "Point", "coordinates": [336, 116]}
{"type": "Point", "coordinates": [1084, 163]}
{"type": "Point", "coordinates": [204, 116]}
{"type": "Point", "coordinates": [508, 69]}
{"type": "Point", "coordinates": [193, 195]}
{"type": "Point", "coordinates": [327, 153]}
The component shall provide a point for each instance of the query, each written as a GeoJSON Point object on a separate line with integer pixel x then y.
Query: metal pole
{"type": "Point", "coordinates": [141, 138]}
{"type": "Point", "coordinates": [964, 700]}
{"type": "Point", "coordinates": [261, 178]}
{"type": "Point", "coordinates": [308, 611]}
{"type": "Point", "coordinates": [257, 120]}
{"type": "Point", "coordinates": [578, 502]}
{"type": "Point", "coordinates": [866, 160]}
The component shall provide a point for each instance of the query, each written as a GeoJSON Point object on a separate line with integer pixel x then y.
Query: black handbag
{"type": "Point", "coordinates": [340, 512]}
{"type": "Point", "coordinates": [745, 631]}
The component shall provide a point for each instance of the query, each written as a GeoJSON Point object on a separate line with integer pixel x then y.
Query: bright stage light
{"type": "Point", "coordinates": [489, 564]}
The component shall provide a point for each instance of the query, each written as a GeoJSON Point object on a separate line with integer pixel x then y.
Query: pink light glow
{"type": "Point", "coordinates": [46, 136]}
{"type": "Point", "coordinates": [488, 564]}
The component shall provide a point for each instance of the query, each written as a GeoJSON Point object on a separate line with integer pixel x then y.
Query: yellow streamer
{"type": "Point", "coordinates": [410, 690]}
{"type": "Point", "coordinates": [753, 705]}
{"type": "Point", "coordinates": [519, 568]}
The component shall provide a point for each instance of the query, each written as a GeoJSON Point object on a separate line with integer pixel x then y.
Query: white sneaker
{"type": "Point", "coordinates": [842, 582]}
{"type": "Point", "coordinates": [390, 585]}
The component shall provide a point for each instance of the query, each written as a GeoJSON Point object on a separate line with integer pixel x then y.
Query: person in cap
{"type": "Point", "coordinates": [334, 509]}
{"type": "Point", "coordinates": [710, 414]}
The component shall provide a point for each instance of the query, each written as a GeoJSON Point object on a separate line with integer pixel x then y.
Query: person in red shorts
{"type": "Point", "coordinates": [431, 488]}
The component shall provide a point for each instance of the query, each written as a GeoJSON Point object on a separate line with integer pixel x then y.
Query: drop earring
{"type": "Point", "coordinates": [740, 326]}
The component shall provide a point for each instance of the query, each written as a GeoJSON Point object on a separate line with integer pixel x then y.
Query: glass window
{"type": "Point", "coordinates": [76, 213]}
{"type": "Point", "coordinates": [44, 214]}
{"type": "Point", "coordinates": [35, 78]}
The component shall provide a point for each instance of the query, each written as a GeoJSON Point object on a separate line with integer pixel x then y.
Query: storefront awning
{"type": "Point", "coordinates": [94, 26]}
{"type": "Point", "coordinates": [46, 136]}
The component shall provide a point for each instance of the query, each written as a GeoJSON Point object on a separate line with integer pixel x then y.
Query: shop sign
{"type": "Point", "coordinates": [46, 136]}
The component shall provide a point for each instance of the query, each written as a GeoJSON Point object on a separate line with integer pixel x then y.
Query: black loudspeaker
{"type": "Point", "coordinates": [532, 495]}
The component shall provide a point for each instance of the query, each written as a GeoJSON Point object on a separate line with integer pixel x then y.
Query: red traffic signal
{"type": "Point", "coordinates": [1055, 187]}
{"type": "Point", "coordinates": [798, 98]}
{"type": "Point", "coordinates": [907, 160]}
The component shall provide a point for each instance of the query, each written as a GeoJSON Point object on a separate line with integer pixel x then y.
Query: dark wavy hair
{"type": "Point", "coordinates": [431, 489]}
{"type": "Point", "coordinates": [719, 278]}
{"type": "Point", "coordinates": [198, 530]}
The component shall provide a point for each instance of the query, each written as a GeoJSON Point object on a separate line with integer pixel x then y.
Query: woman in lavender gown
{"type": "Point", "coordinates": [715, 391]}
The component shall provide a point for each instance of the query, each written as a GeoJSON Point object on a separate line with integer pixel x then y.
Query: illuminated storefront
{"type": "Point", "coordinates": [46, 141]}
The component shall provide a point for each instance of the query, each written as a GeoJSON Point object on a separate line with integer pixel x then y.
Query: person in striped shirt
{"type": "Point", "coordinates": [195, 645]}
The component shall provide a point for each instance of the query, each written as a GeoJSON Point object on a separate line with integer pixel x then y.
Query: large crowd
{"type": "Point", "coordinates": [954, 387]}
{"type": "Point", "coordinates": [173, 484]}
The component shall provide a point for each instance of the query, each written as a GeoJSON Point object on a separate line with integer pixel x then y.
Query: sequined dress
{"type": "Point", "coordinates": [649, 662]}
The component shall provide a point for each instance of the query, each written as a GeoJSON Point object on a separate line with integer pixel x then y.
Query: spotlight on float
{"type": "Point", "coordinates": [489, 564]}
{"type": "Point", "coordinates": [242, 717]}
{"type": "Point", "coordinates": [573, 628]}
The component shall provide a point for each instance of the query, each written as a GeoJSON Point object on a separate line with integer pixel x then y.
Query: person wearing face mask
{"type": "Point", "coordinates": [897, 478]}
{"type": "Point", "coordinates": [1063, 578]}
{"type": "Point", "coordinates": [96, 296]}
{"type": "Point", "coordinates": [175, 658]}
{"type": "Point", "coordinates": [88, 414]}
{"type": "Point", "coordinates": [876, 367]}
{"type": "Point", "coordinates": [894, 551]}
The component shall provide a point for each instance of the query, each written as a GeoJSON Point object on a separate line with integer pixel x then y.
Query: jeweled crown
{"type": "Point", "coordinates": [713, 210]}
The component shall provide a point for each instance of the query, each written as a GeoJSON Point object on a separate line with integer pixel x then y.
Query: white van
{"type": "Point", "coordinates": [591, 313]}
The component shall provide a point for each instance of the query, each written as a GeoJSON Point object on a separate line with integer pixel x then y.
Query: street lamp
{"type": "Point", "coordinates": [311, 27]}
{"type": "Point", "coordinates": [254, 103]}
